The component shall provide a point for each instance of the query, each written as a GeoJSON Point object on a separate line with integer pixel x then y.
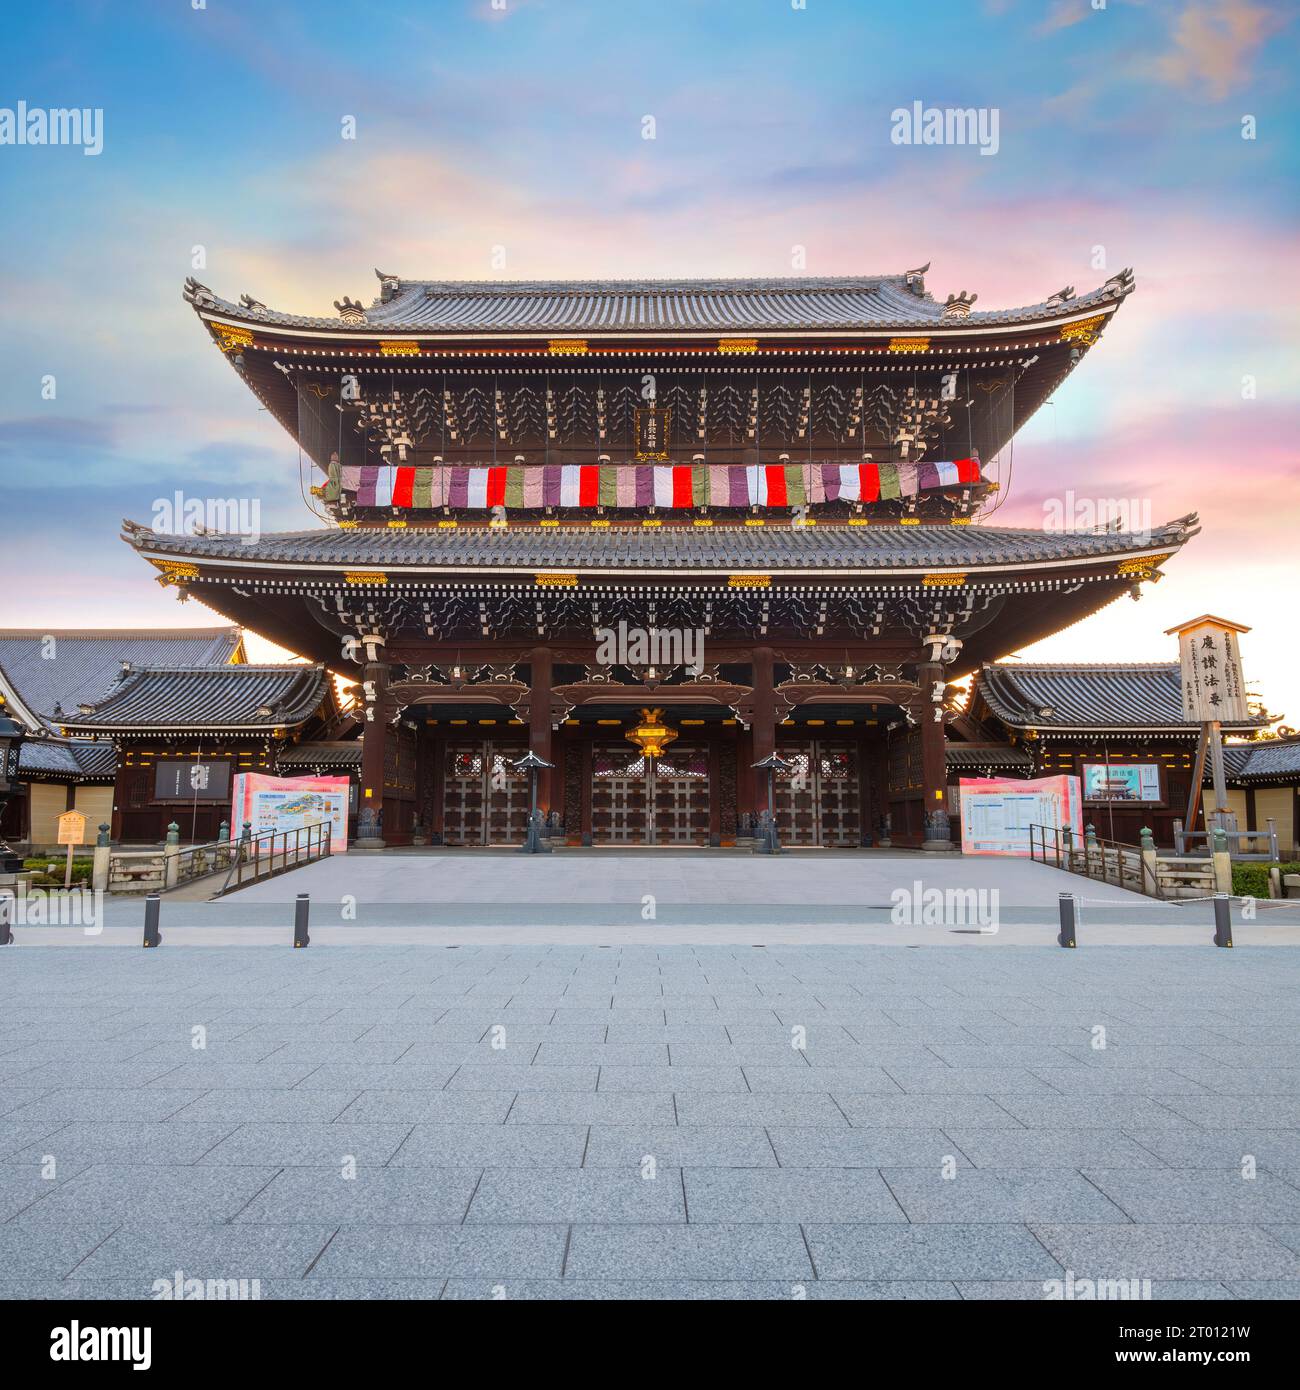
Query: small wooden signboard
{"type": "Point", "coordinates": [72, 832]}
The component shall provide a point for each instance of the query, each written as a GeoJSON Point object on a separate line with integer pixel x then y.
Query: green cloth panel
{"type": "Point", "coordinates": [889, 481]}
{"type": "Point", "coordinates": [795, 495]}
{"type": "Point", "coordinates": [514, 486]}
{"type": "Point", "coordinates": [699, 485]}
{"type": "Point", "coordinates": [422, 488]}
{"type": "Point", "coordinates": [607, 490]}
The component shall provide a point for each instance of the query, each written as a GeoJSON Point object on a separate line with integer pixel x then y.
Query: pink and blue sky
{"type": "Point", "coordinates": [520, 127]}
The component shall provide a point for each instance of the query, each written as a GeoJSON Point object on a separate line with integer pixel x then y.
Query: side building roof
{"type": "Point", "coordinates": [1084, 696]}
{"type": "Point", "coordinates": [49, 669]}
{"type": "Point", "coordinates": [203, 699]}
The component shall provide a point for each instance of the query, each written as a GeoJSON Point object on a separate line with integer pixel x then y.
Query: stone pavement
{"type": "Point", "coordinates": [541, 1121]}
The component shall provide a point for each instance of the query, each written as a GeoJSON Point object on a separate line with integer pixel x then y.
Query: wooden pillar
{"type": "Point", "coordinates": [438, 768]}
{"type": "Point", "coordinates": [584, 828]}
{"type": "Point", "coordinates": [934, 766]}
{"type": "Point", "coordinates": [374, 737]}
{"type": "Point", "coordinates": [541, 663]}
{"type": "Point", "coordinates": [762, 661]}
{"type": "Point", "coordinates": [715, 787]}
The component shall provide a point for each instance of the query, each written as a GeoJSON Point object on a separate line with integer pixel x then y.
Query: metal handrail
{"type": "Point", "coordinates": [255, 855]}
{"type": "Point", "coordinates": [1106, 861]}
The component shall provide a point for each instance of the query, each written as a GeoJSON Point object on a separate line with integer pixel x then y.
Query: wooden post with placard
{"type": "Point", "coordinates": [1213, 694]}
{"type": "Point", "coordinates": [72, 832]}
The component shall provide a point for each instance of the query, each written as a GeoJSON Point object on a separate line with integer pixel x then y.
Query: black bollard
{"type": "Point", "coordinates": [6, 920]}
{"type": "Point", "coordinates": [300, 911]}
{"type": "Point", "coordinates": [1222, 920]}
{"type": "Point", "coordinates": [1066, 935]}
{"type": "Point", "coordinates": [152, 907]}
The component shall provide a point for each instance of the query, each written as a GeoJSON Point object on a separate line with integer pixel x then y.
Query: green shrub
{"type": "Point", "coordinates": [1251, 880]}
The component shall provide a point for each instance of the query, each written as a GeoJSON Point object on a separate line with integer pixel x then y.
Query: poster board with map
{"type": "Point", "coordinates": [291, 803]}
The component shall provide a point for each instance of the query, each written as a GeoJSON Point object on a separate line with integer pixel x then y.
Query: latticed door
{"type": "Point", "coordinates": [795, 795]}
{"type": "Point", "coordinates": [818, 801]}
{"type": "Point", "coordinates": [681, 797]}
{"type": "Point", "coordinates": [485, 801]}
{"type": "Point", "coordinates": [619, 797]}
{"type": "Point", "coordinates": [462, 796]}
{"type": "Point", "coordinates": [838, 794]}
{"type": "Point", "coordinates": [509, 795]}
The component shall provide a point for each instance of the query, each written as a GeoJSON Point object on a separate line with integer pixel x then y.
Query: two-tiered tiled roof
{"type": "Point", "coordinates": [722, 306]}
{"type": "Point", "coordinates": [245, 699]}
{"type": "Point", "coordinates": [1137, 696]}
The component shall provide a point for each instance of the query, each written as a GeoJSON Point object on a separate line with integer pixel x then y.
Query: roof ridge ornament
{"type": "Point", "coordinates": [350, 310]}
{"type": "Point", "coordinates": [254, 305]}
{"type": "Point", "coordinates": [389, 285]}
{"type": "Point", "coordinates": [198, 294]}
{"type": "Point", "coordinates": [958, 306]}
{"type": "Point", "coordinates": [1054, 301]}
{"type": "Point", "coordinates": [1119, 285]}
{"type": "Point", "coordinates": [915, 279]}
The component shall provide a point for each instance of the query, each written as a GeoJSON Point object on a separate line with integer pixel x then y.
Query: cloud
{"type": "Point", "coordinates": [1214, 46]}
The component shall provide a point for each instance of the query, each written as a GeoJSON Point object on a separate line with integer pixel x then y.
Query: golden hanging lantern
{"type": "Point", "coordinates": [651, 735]}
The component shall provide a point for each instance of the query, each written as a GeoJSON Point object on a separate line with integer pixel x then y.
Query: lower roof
{"type": "Point", "coordinates": [826, 547]}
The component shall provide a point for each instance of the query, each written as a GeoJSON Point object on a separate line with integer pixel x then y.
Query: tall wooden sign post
{"type": "Point", "coordinates": [1214, 694]}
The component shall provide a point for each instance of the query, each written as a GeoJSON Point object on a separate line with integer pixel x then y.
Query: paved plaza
{"type": "Point", "coordinates": [549, 1121]}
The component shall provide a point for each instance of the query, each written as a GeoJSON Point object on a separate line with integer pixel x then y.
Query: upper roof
{"type": "Point", "coordinates": [247, 699]}
{"type": "Point", "coordinates": [1145, 695]}
{"type": "Point", "coordinates": [45, 668]}
{"type": "Point", "coordinates": [678, 548]}
{"type": "Point", "coordinates": [652, 306]}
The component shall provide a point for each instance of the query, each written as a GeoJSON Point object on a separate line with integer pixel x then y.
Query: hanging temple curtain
{"type": "Point", "coordinates": [680, 486]}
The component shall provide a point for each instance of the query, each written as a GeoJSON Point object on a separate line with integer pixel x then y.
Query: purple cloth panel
{"type": "Point", "coordinates": [831, 481]}
{"type": "Point", "coordinates": [738, 485]}
{"type": "Point", "coordinates": [366, 491]}
{"type": "Point", "coordinates": [927, 475]}
{"type": "Point", "coordinates": [551, 485]}
{"type": "Point", "coordinates": [645, 485]}
{"type": "Point", "coordinates": [458, 487]}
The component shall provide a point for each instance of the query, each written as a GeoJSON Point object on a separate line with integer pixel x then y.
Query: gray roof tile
{"type": "Point", "coordinates": [79, 665]}
{"type": "Point", "coordinates": [1042, 696]}
{"type": "Point", "coordinates": [766, 549]}
{"type": "Point", "coordinates": [636, 306]}
{"type": "Point", "coordinates": [207, 697]}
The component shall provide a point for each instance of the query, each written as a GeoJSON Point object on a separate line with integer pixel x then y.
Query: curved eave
{"type": "Point", "coordinates": [396, 574]}
{"type": "Point", "coordinates": [353, 337]}
{"type": "Point", "coordinates": [110, 731]}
